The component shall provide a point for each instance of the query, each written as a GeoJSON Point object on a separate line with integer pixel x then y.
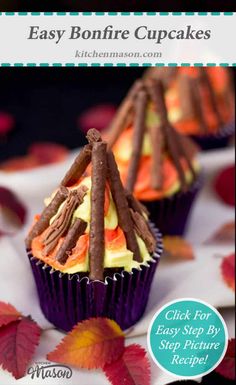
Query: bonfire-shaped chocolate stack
{"type": "Point", "coordinates": [146, 94]}
{"type": "Point", "coordinates": [156, 163]}
{"type": "Point", "coordinates": [191, 98]}
{"type": "Point", "coordinates": [62, 230]}
{"type": "Point", "coordinates": [92, 251]}
{"type": "Point", "coordinates": [200, 100]}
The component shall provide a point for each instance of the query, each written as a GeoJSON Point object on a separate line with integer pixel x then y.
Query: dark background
{"type": "Point", "coordinates": [46, 102]}
{"type": "Point", "coordinates": [117, 5]}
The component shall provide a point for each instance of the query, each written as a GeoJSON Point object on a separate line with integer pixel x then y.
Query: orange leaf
{"type": "Point", "coordinates": [90, 345]}
{"type": "Point", "coordinates": [19, 163]}
{"type": "Point", "coordinates": [226, 233]}
{"type": "Point", "coordinates": [177, 248]}
{"type": "Point", "coordinates": [8, 313]}
{"type": "Point", "coordinates": [228, 269]}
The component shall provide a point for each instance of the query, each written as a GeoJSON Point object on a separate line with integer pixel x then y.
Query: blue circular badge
{"type": "Point", "coordinates": [187, 338]}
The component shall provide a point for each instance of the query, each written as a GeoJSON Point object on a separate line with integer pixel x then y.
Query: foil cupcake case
{"type": "Point", "coordinates": [68, 299]}
{"type": "Point", "coordinates": [171, 214]}
{"type": "Point", "coordinates": [219, 140]}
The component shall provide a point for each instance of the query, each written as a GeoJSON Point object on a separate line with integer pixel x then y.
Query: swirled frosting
{"type": "Point", "coordinates": [143, 190]}
{"type": "Point", "coordinates": [116, 255]}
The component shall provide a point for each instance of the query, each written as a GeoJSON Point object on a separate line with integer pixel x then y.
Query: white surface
{"type": "Point", "coordinates": [199, 278]}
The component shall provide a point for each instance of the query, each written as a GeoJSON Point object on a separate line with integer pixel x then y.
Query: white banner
{"type": "Point", "coordinates": [117, 40]}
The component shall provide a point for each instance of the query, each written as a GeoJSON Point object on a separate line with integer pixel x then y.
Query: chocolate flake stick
{"type": "Point", "coordinates": [229, 92]}
{"type": "Point", "coordinates": [135, 204]}
{"type": "Point", "coordinates": [157, 144]}
{"type": "Point", "coordinates": [185, 96]}
{"type": "Point", "coordinates": [197, 104]}
{"type": "Point", "coordinates": [97, 233]}
{"type": "Point", "coordinates": [62, 221]}
{"type": "Point", "coordinates": [139, 125]}
{"type": "Point", "coordinates": [143, 231]}
{"type": "Point", "coordinates": [74, 233]}
{"type": "Point", "coordinates": [166, 74]}
{"type": "Point", "coordinates": [214, 104]}
{"type": "Point", "coordinates": [46, 215]}
{"type": "Point", "coordinates": [174, 152]}
{"type": "Point", "coordinates": [93, 136]}
{"type": "Point", "coordinates": [190, 147]}
{"type": "Point", "coordinates": [157, 92]}
{"type": "Point", "coordinates": [124, 216]}
{"type": "Point", "coordinates": [118, 123]}
{"type": "Point", "coordinates": [182, 151]}
{"type": "Point", "coordinates": [78, 167]}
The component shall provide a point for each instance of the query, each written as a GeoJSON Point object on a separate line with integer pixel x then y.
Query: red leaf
{"type": "Point", "coordinates": [97, 116]}
{"type": "Point", "coordinates": [90, 345]}
{"type": "Point", "coordinates": [133, 368]}
{"type": "Point", "coordinates": [12, 212]}
{"type": "Point", "coordinates": [225, 185]}
{"type": "Point", "coordinates": [8, 313]}
{"type": "Point", "coordinates": [227, 366]}
{"type": "Point", "coordinates": [228, 269]}
{"type": "Point", "coordinates": [46, 153]}
{"type": "Point", "coordinates": [18, 341]}
{"type": "Point", "coordinates": [6, 123]}
{"type": "Point", "coordinates": [225, 233]}
{"type": "Point", "coordinates": [39, 154]}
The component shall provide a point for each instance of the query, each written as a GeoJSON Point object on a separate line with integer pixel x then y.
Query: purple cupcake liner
{"type": "Point", "coordinates": [171, 214]}
{"type": "Point", "coordinates": [219, 140]}
{"type": "Point", "coordinates": [68, 299]}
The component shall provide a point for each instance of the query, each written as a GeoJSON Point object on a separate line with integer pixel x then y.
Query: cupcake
{"type": "Point", "coordinates": [200, 102]}
{"type": "Point", "coordinates": [156, 164]}
{"type": "Point", "coordinates": [92, 251]}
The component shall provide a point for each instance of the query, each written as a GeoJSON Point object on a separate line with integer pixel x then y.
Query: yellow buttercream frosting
{"type": "Point", "coordinates": [119, 257]}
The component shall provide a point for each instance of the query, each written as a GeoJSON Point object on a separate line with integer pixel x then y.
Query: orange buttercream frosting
{"type": "Point", "coordinates": [189, 125]}
{"type": "Point", "coordinates": [143, 189]}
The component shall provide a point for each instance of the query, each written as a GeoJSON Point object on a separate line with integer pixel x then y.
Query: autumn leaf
{"type": "Point", "coordinates": [228, 270]}
{"type": "Point", "coordinates": [18, 341]}
{"type": "Point", "coordinates": [224, 185]}
{"type": "Point", "coordinates": [90, 345]}
{"type": "Point", "coordinates": [177, 248]}
{"type": "Point", "coordinates": [6, 123]}
{"type": "Point", "coordinates": [226, 233]}
{"type": "Point", "coordinates": [8, 313]}
{"type": "Point", "coordinates": [46, 153]}
{"type": "Point", "coordinates": [133, 368]}
{"type": "Point", "coordinates": [227, 366]}
{"type": "Point", "coordinates": [19, 163]}
{"type": "Point", "coordinates": [98, 116]}
{"type": "Point", "coordinates": [39, 154]}
{"type": "Point", "coordinates": [12, 212]}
